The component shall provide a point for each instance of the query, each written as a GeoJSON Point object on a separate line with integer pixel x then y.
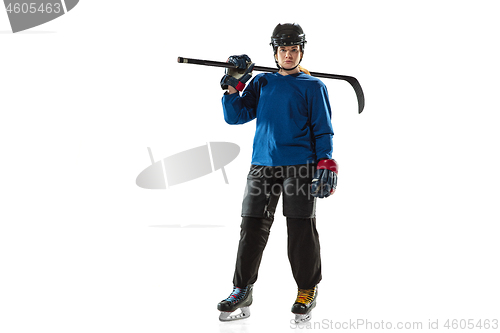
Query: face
{"type": "Point", "coordinates": [288, 56]}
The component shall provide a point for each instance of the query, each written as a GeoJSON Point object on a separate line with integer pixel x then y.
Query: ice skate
{"type": "Point", "coordinates": [240, 298]}
{"type": "Point", "coordinates": [305, 302]}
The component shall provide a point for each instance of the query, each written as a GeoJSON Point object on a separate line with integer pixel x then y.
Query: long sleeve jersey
{"type": "Point", "coordinates": [293, 118]}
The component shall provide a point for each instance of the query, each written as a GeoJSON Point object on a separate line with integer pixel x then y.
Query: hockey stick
{"type": "Point", "coordinates": [352, 80]}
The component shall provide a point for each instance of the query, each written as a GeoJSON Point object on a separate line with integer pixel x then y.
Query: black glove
{"type": "Point", "coordinates": [324, 182]}
{"type": "Point", "coordinates": [239, 76]}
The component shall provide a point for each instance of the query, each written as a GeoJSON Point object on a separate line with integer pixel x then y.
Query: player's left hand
{"type": "Point", "coordinates": [324, 181]}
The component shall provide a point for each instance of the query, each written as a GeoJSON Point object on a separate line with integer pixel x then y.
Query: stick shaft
{"type": "Point", "coordinates": [352, 80]}
{"type": "Point", "coordinates": [255, 68]}
{"type": "Point", "coordinates": [219, 64]}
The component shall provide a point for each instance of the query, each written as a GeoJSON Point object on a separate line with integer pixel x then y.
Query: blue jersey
{"type": "Point", "coordinates": [293, 118]}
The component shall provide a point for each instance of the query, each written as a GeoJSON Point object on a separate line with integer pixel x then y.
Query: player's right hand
{"type": "Point", "coordinates": [239, 76]}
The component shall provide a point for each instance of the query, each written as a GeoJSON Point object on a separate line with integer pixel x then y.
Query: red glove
{"type": "Point", "coordinates": [324, 182]}
{"type": "Point", "coordinates": [237, 77]}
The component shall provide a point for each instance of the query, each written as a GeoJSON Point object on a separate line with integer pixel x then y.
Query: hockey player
{"type": "Point", "coordinates": [292, 155]}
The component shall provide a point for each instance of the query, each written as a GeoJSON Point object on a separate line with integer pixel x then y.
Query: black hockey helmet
{"type": "Point", "coordinates": [288, 34]}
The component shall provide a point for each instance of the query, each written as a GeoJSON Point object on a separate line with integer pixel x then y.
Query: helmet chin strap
{"type": "Point", "coordinates": [290, 69]}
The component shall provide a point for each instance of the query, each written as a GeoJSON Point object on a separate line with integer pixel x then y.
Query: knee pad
{"type": "Point", "coordinates": [253, 224]}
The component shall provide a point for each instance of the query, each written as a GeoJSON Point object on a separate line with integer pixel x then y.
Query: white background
{"type": "Point", "coordinates": [410, 235]}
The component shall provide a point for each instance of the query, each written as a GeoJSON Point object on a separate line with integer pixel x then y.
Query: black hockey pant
{"type": "Point", "coordinates": [264, 187]}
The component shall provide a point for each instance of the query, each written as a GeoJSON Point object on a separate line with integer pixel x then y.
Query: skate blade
{"type": "Point", "coordinates": [228, 316]}
{"type": "Point", "coordinates": [302, 318]}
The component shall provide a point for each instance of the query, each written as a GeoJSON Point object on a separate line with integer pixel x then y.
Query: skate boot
{"type": "Point", "coordinates": [305, 302]}
{"type": "Point", "coordinates": [240, 298]}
